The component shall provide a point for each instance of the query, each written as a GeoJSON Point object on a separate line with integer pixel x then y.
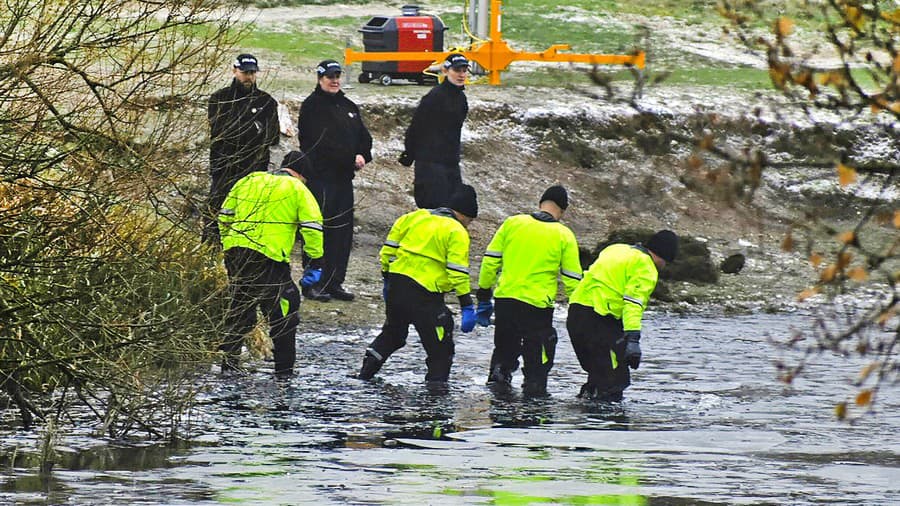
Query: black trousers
{"type": "Point", "coordinates": [255, 280]}
{"type": "Point", "coordinates": [435, 183]}
{"type": "Point", "coordinates": [599, 343]}
{"type": "Point", "coordinates": [410, 303]}
{"type": "Point", "coordinates": [336, 202]}
{"type": "Point", "coordinates": [521, 329]}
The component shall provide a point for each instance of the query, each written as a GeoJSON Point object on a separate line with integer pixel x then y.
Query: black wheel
{"type": "Point", "coordinates": [365, 77]}
{"type": "Point", "coordinates": [386, 80]}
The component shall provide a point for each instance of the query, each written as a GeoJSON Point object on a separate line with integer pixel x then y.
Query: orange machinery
{"type": "Point", "coordinates": [494, 54]}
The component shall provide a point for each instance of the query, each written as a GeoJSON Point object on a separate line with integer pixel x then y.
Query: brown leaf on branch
{"type": "Point", "coordinates": [783, 27]}
{"type": "Point", "coordinates": [858, 274]}
{"type": "Point", "coordinates": [843, 260]}
{"type": "Point", "coordinates": [787, 244]}
{"type": "Point", "coordinates": [828, 274]}
{"type": "Point", "coordinates": [840, 410]}
{"type": "Point", "coordinates": [807, 293]}
{"type": "Point", "coordinates": [848, 237]}
{"type": "Point", "coordinates": [846, 175]}
{"type": "Point", "coordinates": [864, 398]}
{"type": "Point", "coordinates": [816, 260]}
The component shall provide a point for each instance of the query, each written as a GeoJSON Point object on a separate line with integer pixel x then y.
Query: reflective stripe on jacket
{"type": "Point", "coordinates": [430, 246]}
{"type": "Point", "coordinates": [529, 252]}
{"type": "Point", "coordinates": [262, 212]}
{"type": "Point", "coordinates": [619, 283]}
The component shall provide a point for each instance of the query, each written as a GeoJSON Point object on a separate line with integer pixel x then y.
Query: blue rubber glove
{"type": "Point", "coordinates": [633, 348]}
{"type": "Point", "coordinates": [468, 318]}
{"type": "Point", "coordinates": [310, 277]}
{"type": "Point", "coordinates": [484, 312]}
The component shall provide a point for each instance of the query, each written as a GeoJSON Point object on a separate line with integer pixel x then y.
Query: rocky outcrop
{"type": "Point", "coordinates": [693, 264]}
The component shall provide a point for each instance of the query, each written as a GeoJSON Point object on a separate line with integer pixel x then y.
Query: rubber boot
{"type": "Point", "coordinates": [370, 366]}
{"type": "Point", "coordinates": [231, 364]}
{"type": "Point", "coordinates": [500, 376]}
{"type": "Point", "coordinates": [588, 391]}
{"type": "Point", "coordinates": [534, 386]}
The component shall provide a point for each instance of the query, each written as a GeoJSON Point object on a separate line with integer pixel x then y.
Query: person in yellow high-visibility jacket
{"type": "Point", "coordinates": [606, 309]}
{"type": "Point", "coordinates": [426, 254]}
{"type": "Point", "coordinates": [258, 224]}
{"type": "Point", "coordinates": [528, 253]}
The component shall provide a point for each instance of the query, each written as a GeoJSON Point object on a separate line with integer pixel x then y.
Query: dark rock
{"type": "Point", "coordinates": [693, 263]}
{"type": "Point", "coordinates": [662, 293]}
{"type": "Point", "coordinates": [733, 264]}
{"type": "Point", "coordinates": [586, 257]}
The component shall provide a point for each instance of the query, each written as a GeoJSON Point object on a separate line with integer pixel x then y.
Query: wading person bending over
{"type": "Point", "coordinates": [433, 138]}
{"type": "Point", "coordinates": [606, 309]}
{"type": "Point", "coordinates": [426, 254]}
{"type": "Point", "coordinates": [258, 224]}
{"type": "Point", "coordinates": [338, 144]}
{"type": "Point", "coordinates": [243, 123]}
{"type": "Point", "coordinates": [529, 252]}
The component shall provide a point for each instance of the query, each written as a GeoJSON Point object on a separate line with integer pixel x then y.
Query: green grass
{"type": "Point", "coordinates": [535, 34]}
{"type": "Point", "coordinates": [525, 28]}
{"type": "Point", "coordinates": [742, 78]}
{"type": "Point", "coordinates": [342, 22]}
{"type": "Point", "coordinates": [294, 47]}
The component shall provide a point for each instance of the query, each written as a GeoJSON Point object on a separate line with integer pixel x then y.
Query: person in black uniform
{"type": "Point", "coordinates": [337, 143]}
{"type": "Point", "coordinates": [243, 123]}
{"type": "Point", "coordinates": [433, 137]}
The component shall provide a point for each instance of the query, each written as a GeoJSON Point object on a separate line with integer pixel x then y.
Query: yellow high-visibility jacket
{"type": "Point", "coordinates": [430, 246]}
{"type": "Point", "coordinates": [619, 283]}
{"type": "Point", "coordinates": [263, 211]}
{"type": "Point", "coordinates": [529, 252]}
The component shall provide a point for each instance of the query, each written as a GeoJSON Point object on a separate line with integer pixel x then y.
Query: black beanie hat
{"type": "Point", "coordinates": [665, 244]}
{"type": "Point", "coordinates": [298, 162]}
{"type": "Point", "coordinates": [465, 201]}
{"type": "Point", "coordinates": [558, 195]}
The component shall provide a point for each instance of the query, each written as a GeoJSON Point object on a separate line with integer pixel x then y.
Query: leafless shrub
{"type": "Point", "coordinates": [107, 300]}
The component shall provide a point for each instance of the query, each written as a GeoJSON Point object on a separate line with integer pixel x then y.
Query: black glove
{"type": "Point", "coordinates": [405, 159]}
{"type": "Point", "coordinates": [633, 348]}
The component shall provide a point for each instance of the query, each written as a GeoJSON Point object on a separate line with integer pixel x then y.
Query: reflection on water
{"type": "Point", "coordinates": [705, 422]}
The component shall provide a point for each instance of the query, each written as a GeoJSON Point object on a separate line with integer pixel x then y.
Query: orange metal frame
{"type": "Point", "coordinates": [495, 54]}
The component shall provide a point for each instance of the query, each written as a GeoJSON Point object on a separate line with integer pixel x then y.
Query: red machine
{"type": "Point", "coordinates": [410, 32]}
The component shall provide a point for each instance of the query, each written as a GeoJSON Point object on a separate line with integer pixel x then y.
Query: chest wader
{"type": "Point", "coordinates": [521, 329]}
{"type": "Point", "coordinates": [599, 343]}
{"type": "Point", "coordinates": [258, 281]}
{"type": "Point", "coordinates": [410, 303]}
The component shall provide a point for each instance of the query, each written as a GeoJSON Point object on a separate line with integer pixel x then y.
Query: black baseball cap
{"type": "Point", "coordinates": [246, 63]}
{"type": "Point", "coordinates": [456, 60]}
{"type": "Point", "coordinates": [328, 68]}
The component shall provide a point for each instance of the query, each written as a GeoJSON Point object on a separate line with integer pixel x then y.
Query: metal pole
{"type": "Point", "coordinates": [484, 18]}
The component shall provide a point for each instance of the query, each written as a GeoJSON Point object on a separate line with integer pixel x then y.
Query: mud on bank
{"type": "Point", "coordinates": [625, 168]}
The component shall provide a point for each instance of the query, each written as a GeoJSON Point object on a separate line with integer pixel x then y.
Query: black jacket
{"type": "Point", "coordinates": [332, 133]}
{"type": "Point", "coordinates": [243, 124]}
{"type": "Point", "coordinates": [434, 134]}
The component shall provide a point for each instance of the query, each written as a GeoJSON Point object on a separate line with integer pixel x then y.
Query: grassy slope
{"type": "Point", "coordinates": [603, 26]}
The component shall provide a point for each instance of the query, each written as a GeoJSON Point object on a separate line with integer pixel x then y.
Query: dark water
{"type": "Point", "coordinates": [704, 423]}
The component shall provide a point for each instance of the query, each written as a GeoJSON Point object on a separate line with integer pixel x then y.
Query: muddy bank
{"type": "Point", "coordinates": [625, 168]}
